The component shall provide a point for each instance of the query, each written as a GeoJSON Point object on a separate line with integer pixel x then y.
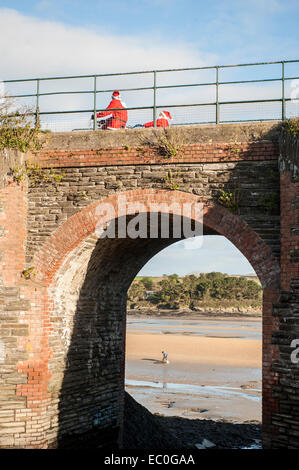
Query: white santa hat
{"type": "Point", "coordinates": [165, 114]}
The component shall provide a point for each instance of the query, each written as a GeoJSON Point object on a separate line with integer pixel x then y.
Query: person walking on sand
{"type": "Point", "coordinates": [165, 357]}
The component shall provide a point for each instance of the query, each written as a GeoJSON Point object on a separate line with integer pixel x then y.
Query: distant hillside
{"type": "Point", "coordinates": [250, 277]}
{"type": "Point", "coordinates": [203, 293]}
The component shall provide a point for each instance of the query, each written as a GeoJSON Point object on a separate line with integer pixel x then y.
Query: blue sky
{"type": "Point", "coordinates": [216, 253]}
{"type": "Point", "coordinates": [233, 30]}
{"type": "Point", "coordinates": [63, 37]}
{"type": "Point", "coordinates": [210, 33]}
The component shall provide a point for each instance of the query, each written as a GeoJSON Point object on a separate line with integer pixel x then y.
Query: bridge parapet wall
{"type": "Point", "coordinates": [188, 135]}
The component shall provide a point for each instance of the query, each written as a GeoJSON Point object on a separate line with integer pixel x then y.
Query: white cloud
{"type": "Point", "coordinates": [34, 47]}
{"type": "Point", "coordinates": [216, 253]}
{"type": "Point", "coordinates": [193, 243]}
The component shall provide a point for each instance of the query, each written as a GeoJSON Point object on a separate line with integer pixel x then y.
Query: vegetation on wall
{"type": "Point", "coordinates": [292, 126]}
{"type": "Point", "coordinates": [271, 202]}
{"type": "Point", "coordinates": [172, 181]}
{"type": "Point", "coordinates": [35, 174]}
{"type": "Point", "coordinates": [19, 127]}
{"type": "Point", "coordinates": [164, 143]}
{"type": "Point", "coordinates": [229, 199]}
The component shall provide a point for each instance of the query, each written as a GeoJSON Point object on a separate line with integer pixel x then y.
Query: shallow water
{"type": "Point", "coordinates": [218, 390]}
{"type": "Point", "coordinates": [215, 329]}
{"type": "Point", "coordinates": [195, 389]}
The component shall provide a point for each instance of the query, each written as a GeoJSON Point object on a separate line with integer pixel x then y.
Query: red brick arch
{"type": "Point", "coordinates": [68, 236]}
{"type": "Point", "coordinates": [60, 246]}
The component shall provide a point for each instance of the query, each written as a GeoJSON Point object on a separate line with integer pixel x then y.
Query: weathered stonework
{"type": "Point", "coordinates": [63, 331]}
{"type": "Point", "coordinates": [286, 310]}
{"type": "Point", "coordinates": [50, 205]}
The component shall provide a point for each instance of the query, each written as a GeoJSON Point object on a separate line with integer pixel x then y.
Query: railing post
{"type": "Point", "coordinates": [283, 110]}
{"type": "Point", "coordinates": [37, 119]}
{"type": "Point", "coordinates": [217, 94]}
{"type": "Point", "coordinates": [155, 99]}
{"type": "Point", "coordinates": [94, 102]}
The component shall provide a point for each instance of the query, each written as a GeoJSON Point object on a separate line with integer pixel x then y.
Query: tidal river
{"type": "Point", "coordinates": [214, 369]}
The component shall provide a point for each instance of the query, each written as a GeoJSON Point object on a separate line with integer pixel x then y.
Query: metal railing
{"type": "Point", "coordinates": [215, 106]}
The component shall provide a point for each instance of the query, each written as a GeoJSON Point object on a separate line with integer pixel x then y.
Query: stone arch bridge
{"type": "Point", "coordinates": [63, 289]}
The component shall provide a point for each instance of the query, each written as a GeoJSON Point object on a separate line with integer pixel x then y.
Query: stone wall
{"type": "Point", "coordinates": [51, 205]}
{"type": "Point", "coordinates": [237, 158]}
{"type": "Point", "coordinates": [286, 311]}
{"type": "Point", "coordinates": [21, 334]}
{"type": "Point", "coordinates": [63, 344]}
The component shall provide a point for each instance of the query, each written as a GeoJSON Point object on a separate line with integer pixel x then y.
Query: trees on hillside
{"type": "Point", "coordinates": [174, 291]}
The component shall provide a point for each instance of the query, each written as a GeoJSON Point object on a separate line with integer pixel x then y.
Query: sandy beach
{"type": "Point", "coordinates": [214, 369]}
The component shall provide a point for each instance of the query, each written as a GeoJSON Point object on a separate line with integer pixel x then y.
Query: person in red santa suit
{"type": "Point", "coordinates": [162, 121]}
{"type": "Point", "coordinates": [118, 118]}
